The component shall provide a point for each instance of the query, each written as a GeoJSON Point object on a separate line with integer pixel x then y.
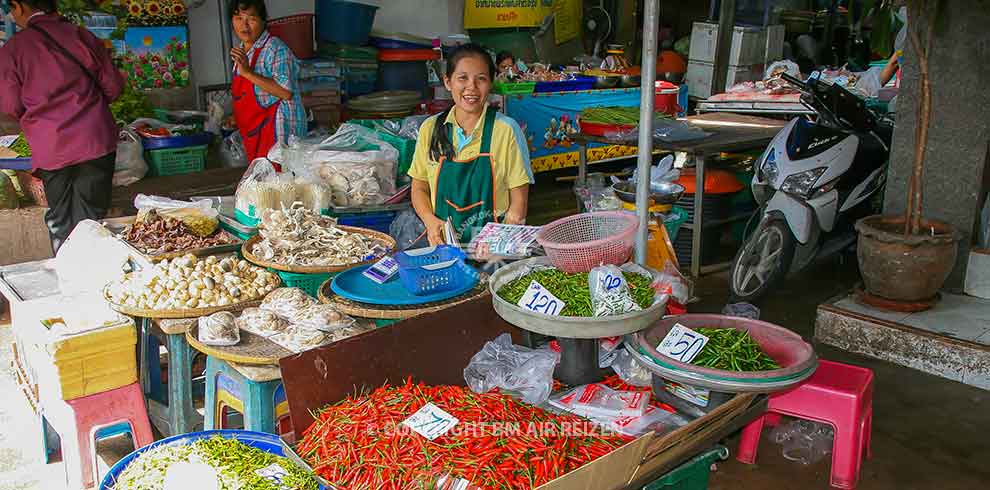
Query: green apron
{"type": "Point", "coordinates": [466, 189]}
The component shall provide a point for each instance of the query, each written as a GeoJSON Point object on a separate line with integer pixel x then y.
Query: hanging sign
{"type": "Point", "coordinates": [486, 14]}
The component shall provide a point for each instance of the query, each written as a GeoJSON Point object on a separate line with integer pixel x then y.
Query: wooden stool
{"type": "Point", "coordinates": [254, 391]}
{"type": "Point", "coordinates": [81, 421]}
{"type": "Point", "coordinates": [172, 411]}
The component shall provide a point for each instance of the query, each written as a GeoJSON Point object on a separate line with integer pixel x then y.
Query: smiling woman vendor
{"type": "Point", "coordinates": [267, 104]}
{"type": "Point", "coordinates": [471, 163]}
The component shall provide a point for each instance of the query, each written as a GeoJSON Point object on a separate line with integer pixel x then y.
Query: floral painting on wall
{"type": "Point", "coordinates": [155, 12]}
{"type": "Point", "coordinates": [156, 57]}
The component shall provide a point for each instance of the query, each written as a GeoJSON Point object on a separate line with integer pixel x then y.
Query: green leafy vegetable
{"type": "Point", "coordinates": [131, 105]}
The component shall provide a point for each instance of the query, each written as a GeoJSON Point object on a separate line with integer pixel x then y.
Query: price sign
{"type": "Point", "coordinates": [274, 473]}
{"type": "Point", "coordinates": [431, 421]}
{"type": "Point", "coordinates": [682, 343]}
{"type": "Point", "coordinates": [538, 299]}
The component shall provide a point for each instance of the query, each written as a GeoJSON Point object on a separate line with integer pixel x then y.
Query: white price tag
{"type": "Point", "coordinates": [538, 299]}
{"type": "Point", "coordinates": [682, 343]}
{"type": "Point", "coordinates": [273, 473]}
{"type": "Point", "coordinates": [431, 421]}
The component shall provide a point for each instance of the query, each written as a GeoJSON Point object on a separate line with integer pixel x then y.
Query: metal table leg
{"type": "Point", "coordinates": [697, 222]}
{"type": "Point", "coordinates": [582, 164]}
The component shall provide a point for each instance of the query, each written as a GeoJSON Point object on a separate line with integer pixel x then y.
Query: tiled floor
{"type": "Point", "coordinates": [957, 316]}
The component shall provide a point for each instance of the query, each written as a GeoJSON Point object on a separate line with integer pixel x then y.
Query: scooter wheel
{"type": "Point", "coordinates": [762, 262]}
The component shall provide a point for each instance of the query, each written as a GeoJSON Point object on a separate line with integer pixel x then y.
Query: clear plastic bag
{"type": "Point", "coordinates": [609, 292]}
{"type": "Point", "coordinates": [324, 317]}
{"type": "Point", "coordinates": [630, 370]}
{"type": "Point", "coordinates": [663, 171]}
{"type": "Point", "coordinates": [601, 403]}
{"type": "Point", "coordinates": [673, 284]}
{"type": "Point", "coordinates": [804, 441]}
{"type": "Point", "coordinates": [406, 229]}
{"type": "Point", "coordinates": [219, 329]}
{"type": "Point", "coordinates": [742, 310]}
{"type": "Point", "coordinates": [672, 131]}
{"type": "Point", "coordinates": [199, 216]}
{"type": "Point", "coordinates": [500, 364]}
{"type": "Point", "coordinates": [653, 419]}
{"type": "Point", "coordinates": [232, 152]}
{"type": "Point", "coordinates": [257, 190]}
{"type": "Point", "coordinates": [287, 303]}
{"type": "Point", "coordinates": [129, 166]}
{"type": "Point", "coordinates": [261, 322]}
{"type": "Point", "coordinates": [410, 127]}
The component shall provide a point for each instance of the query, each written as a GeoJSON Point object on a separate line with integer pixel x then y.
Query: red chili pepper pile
{"type": "Point", "coordinates": [499, 443]}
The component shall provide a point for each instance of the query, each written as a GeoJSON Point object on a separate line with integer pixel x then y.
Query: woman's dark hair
{"type": "Point", "coordinates": [46, 6]}
{"type": "Point", "coordinates": [237, 6]}
{"type": "Point", "coordinates": [502, 56]}
{"type": "Point", "coordinates": [441, 146]}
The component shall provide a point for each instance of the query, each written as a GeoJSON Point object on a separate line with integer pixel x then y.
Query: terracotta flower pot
{"type": "Point", "coordinates": [905, 268]}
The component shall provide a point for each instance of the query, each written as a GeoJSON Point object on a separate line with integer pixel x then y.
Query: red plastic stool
{"type": "Point", "coordinates": [837, 394]}
{"type": "Point", "coordinates": [78, 421]}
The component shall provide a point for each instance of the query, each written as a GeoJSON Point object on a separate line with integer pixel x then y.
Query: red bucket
{"type": "Point", "coordinates": [297, 32]}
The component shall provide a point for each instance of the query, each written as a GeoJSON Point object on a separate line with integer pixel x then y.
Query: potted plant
{"type": "Point", "coordinates": [907, 257]}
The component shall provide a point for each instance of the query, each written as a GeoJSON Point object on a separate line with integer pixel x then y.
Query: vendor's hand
{"type": "Point", "coordinates": [434, 231]}
{"type": "Point", "coordinates": [512, 219]}
{"type": "Point", "coordinates": [239, 56]}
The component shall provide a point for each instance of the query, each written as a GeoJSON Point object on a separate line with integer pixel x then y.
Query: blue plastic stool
{"type": "Point", "coordinates": [171, 411]}
{"type": "Point", "coordinates": [257, 399]}
{"type": "Point", "coordinates": [50, 438]}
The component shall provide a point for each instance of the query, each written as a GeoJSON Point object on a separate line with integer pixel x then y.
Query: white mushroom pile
{"type": "Point", "coordinates": [189, 282]}
{"type": "Point", "coordinates": [297, 236]}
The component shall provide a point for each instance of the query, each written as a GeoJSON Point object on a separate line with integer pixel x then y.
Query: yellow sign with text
{"type": "Point", "coordinates": [487, 14]}
{"type": "Point", "coordinates": [567, 20]}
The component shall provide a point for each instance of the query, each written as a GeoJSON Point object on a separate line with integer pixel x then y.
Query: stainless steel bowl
{"type": "Point", "coordinates": [607, 81]}
{"type": "Point", "coordinates": [664, 193]}
{"type": "Point", "coordinates": [631, 81]}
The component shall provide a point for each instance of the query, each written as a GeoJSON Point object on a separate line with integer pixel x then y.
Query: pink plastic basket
{"type": "Point", "coordinates": [582, 242]}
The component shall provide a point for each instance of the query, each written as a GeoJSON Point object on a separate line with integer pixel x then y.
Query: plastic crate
{"type": "Point", "coordinates": [692, 475]}
{"type": "Point", "coordinates": [176, 161]}
{"type": "Point", "coordinates": [307, 282]}
{"type": "Point", "coordinates": [177, 141]}
{"type": "Point", "coordinates": [378, 221]}
{"type": "Point", "coordinates": [579, 83]}
{"type": "Point", "coordinates": [434, 270]}
{"type": "Point", "coordinates": [673, 225]}
{"type": "Point", "coordinates": [519, 88]}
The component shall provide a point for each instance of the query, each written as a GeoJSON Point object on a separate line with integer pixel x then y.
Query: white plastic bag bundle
{"type": "Point", "coordinates": [129, 166]}
{"type": "Point", "coordinates": [82, 271]}
{"type": "Point", "coordinates": [500, 364]}
{"type": "Point", "coordinates": [610, 292]}
{"type": "Point", "coordinates": [232, 152]}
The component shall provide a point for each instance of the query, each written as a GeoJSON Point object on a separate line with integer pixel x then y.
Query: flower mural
{"type": "Point", "coordinates": [156, 57]}
{"type": "Point", "coordinates": [155, 12]}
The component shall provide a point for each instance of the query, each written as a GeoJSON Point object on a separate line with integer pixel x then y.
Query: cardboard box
{"type": "Point", "coordinates": [25, 235]}
{"type": "Point", "coordinates": [434, 348]}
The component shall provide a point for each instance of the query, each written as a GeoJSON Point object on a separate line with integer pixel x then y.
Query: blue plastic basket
{"type": "Point", "coordinates": [177, 141]}
{"type": "Point", "coordinates": [579, 83]}
{"type": "Point", "coordinates": [434, 270]}
{"type": "Point", "coordinates": [260, 440]}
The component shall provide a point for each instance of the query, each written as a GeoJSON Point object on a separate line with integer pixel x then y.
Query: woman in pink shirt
{"type": "Point", "coordinates": [58, 80]}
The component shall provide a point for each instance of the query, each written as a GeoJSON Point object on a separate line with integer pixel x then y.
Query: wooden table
{"type": "Point", "coordinates": [731, 132]}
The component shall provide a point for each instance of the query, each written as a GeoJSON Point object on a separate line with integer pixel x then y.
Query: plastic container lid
{"type": "Point", "coordinates": [402, 37]}
{"type": "Point", "coordinates": [716, 181]}
{"type": "Point", "coordinates": [408, 55]}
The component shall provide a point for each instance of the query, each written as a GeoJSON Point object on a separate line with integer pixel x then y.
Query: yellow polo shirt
{"type": "Point", "coordinates": [509, 151]}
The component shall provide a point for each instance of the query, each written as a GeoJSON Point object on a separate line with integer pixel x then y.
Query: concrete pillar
{"type": "Point", "coordinates": [959, 133]}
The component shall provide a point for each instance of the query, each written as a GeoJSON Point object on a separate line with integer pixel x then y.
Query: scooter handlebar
{"type": "Point", "coordinates": [793, 80]}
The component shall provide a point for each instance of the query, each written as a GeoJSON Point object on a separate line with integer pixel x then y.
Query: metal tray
{"type": "Point", "coordinates": [117, 226]}
{"type": "Point", "coordinates": [562, 326]}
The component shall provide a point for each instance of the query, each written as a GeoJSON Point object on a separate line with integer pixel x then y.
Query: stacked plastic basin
{"type": "Point", "coordinates": [320, 85]}
{"type": "Point", "coordinates": [406, 69]}
{"type": "Point", "coordinates": [343, 29]}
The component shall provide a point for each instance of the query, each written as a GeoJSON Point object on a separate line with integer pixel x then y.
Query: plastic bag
{"type": "Point", "coordinates": [630, 370]}
{"type": "Point", "coordinates": [672, 283]}
{"type": "Point", "coordinates": [129, 166]}
{"type": "Point", "coordinates": [79, 269]}
{"type": "Point", "coordinates": [500, 364]}
{"type": "Point", "coordinates": [672, 131]}
{"type": "Point", "coordinates": [232, 152]}
{"type": "Point", "coordinates": [868, 83]}
{"type": "Point", "coordinates": [654, 419]}
{"type": "Point", "coordinates": [323, 317]}
{"type": "Point", "coordinates": [742, 310]}
{"type": "Point", "coordinates": [407, 229]}
{"type": "Point", "coordinates": [662, 172]}
{"type": "Point", "coordinates": [298, 339]}
{"type": "Point", "coordinates": [287, 302]}
{"type": "Point", "coordinates": [257, 190]}
{"type": "Point", "coordinates": [609, 292]}
{"type": "Point", "coordinates": [804, 441]}
{"type": "Point", "coordinates": [410, 127]}
{"type": "Point", "coordinates": [601, 403]}
{"type": "Point", "coordinates": [219, 329]}
{"type": "Point", "coordinates": [199, 216]}
{"type": "Point", "coordinates": [261, 322]}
